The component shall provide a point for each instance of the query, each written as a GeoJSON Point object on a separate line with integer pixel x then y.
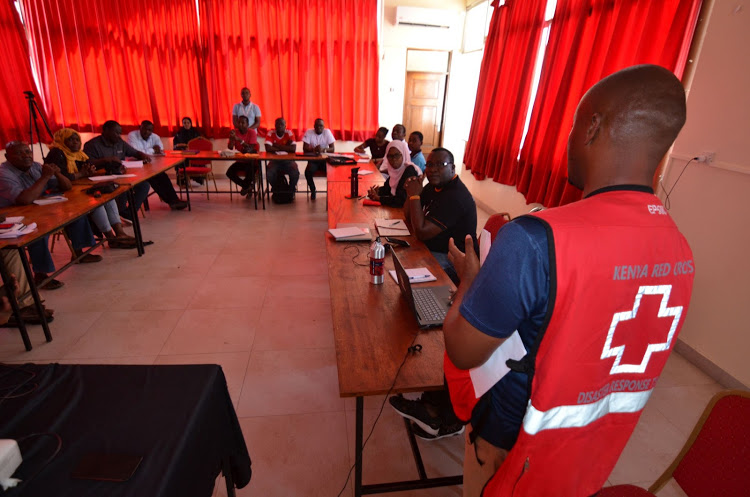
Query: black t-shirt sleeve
{"type": "Point", "coordinates": [57, 157]}
{"type": "Point", "coordinates": [90, 149]}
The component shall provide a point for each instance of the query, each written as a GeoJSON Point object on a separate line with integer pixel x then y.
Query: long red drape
{"type": "Point", "coordinates": [14, 108]}
{"type": "Point", "coordinates": [301, 60]}
{"type": "Point", "coordinates": [504, 90]}
{"type": "Point", "coordinates": [590, 39]}
{"type": "Point", "coordinates": [127, 60]}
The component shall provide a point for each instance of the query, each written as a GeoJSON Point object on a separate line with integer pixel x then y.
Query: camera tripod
{"type": "Point", "coordinates": [34, 112]}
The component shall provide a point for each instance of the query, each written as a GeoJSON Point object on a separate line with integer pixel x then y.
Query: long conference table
{"type": "Point", "coordinates": [52, 217]}
{"type": "Point", "coordinates": [374, 326]}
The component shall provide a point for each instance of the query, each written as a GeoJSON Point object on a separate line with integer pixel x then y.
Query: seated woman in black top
{"type": "Point", "coordinates": [400, 168]}
{"type": "Point", "coordinates": [65, 152]}
{"type": "Point", "coordinates": [376, 145]}
{"type": "Point", "coordinates": [186, 133]}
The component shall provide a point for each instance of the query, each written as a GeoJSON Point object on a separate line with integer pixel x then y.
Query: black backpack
{"type": "Point", "coordinates": [282, 192]}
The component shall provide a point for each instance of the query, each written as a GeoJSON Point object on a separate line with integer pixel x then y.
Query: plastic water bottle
{"type": "Point", "coordinates": [377, 262]}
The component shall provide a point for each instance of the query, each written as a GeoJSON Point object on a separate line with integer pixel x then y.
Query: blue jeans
{"type": "Point", "coordinates": [80, 236]}
{"type": "Point", "coordinates": [447, 266]}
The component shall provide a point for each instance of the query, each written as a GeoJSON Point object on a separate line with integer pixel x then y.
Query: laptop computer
{"type": "Point", "coordinates": [430, 304]}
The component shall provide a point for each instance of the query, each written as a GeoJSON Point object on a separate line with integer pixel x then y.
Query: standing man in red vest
{"type": "Point", "coordinates": [597, 291]}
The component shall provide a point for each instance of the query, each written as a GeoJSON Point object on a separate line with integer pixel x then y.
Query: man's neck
{"type": "Point", "coordinates": [245, 102]}
{"type": "Point", "coordinates": [414, 154]}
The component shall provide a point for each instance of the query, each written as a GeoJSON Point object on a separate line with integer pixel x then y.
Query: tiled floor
{"type": "Point", "coordinates": [249, 290]}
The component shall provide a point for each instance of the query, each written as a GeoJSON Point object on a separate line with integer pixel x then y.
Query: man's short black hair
{"type": "Point", "coordinates": [419, 135]}
{"type": "Point", "coordinates": [110, 125]}
{"type": "Point", "coordinates": [446, 152]}
{"type": "Point", "coordinates": [240, 118]}
{"type": "Point", "coordinates": [146, 123]}
{"type": "Point", "coordinates": [383, 130]}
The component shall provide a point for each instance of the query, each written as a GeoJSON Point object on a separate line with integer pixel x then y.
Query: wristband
{"type": "Point", "coordinates": [415, 197]}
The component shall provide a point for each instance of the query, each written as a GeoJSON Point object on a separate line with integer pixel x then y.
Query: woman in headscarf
{"type": "Point", "coordinates": [65, 152]}
{"type": "Point", "coordinates": [399, 167]}
{"type": "Point", "coordinates": [186, 133]}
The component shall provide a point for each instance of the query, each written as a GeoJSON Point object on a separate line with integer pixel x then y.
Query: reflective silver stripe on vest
{"type": "Point", "coordinates": [581, 415]}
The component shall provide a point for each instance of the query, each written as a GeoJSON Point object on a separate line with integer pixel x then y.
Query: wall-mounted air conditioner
{"type": "Point", "coordinates": [427, 18]}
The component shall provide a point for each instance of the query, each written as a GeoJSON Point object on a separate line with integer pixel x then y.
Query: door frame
{"type": "Point", "coordinates": [447, 75]}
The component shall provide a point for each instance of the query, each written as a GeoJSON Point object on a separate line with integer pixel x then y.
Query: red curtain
{"type": "Point", "coordinates": [504, 90]}
{"type": "Point", "coordinates": [590, 39]}
{"type": "Point", "coordinates": [127, 60]}
{"type": "Point", "coordinates": [14, 108]}
{"type": "Point", "coordinates": [301, 60]}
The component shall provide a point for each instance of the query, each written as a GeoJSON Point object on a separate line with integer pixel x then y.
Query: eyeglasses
{"type": "Point", "coordinates": [437, 165]}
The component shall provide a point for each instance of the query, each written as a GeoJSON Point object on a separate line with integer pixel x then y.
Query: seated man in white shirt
{"type": "Point", "coordinates": [318, 140]}
{"type": "Point", "coordinates": [246, 108]}
{"type": "Point", "coordinates": [146, 140]}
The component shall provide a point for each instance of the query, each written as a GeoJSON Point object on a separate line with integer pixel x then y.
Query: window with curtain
{"type": "Point", "coordinates": [588, 40]}
{"type": "Point", "coordinates": [127, 60]}
{"type": "Point", "coordinates": [301, 60]}
{"type": "Point", "coordinates": [14, 108]}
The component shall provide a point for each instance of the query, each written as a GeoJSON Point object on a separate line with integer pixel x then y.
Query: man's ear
{"type": "Point", "coordinates": [594, 127]}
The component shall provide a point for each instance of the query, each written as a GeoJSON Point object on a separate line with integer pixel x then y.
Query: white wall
{"type": "Point", "coordinates": [711, 205]}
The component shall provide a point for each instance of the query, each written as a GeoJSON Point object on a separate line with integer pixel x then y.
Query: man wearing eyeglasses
{"type": "Point", "coordinates": [441, 210]}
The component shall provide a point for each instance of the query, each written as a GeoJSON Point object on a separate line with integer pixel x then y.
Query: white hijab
{"type": "Point", "coordinates": [394, 175]}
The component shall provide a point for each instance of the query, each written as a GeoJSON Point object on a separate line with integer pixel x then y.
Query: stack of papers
{"type": "Point", "coordinates": [416, 275]}
{"type": "Point", "coordinates": [364, 172]}
{"type": "Point", "coordinates": [391, 227]}
{"type": "Point", "coordinates": [110, 177]}
{"type": "Point", "coordinates": [18, 229]}
{"type": "Point", "coordinates": [50, 200]}
{"type": "Point", "coordinates": [134, 163]}
{"type": "Point", "coordinates": [350, 234]}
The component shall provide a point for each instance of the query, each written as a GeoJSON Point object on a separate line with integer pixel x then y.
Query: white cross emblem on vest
{"type": "Point", "coordinates": [664, 311]}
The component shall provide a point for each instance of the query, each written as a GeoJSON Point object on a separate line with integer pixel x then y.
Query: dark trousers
{"type": "Point", "coordinates": [274, 169]}
{"type": "Point", "coordinates": [162, 185]}
{"type": "Point", "coordinates": [247, 167]}
{"type": "Point", "coordinates": [312, 167]}
{"type": "Point", "coordinates": [79, 232]}
{"type": "Point", "coordinates": [140, 192]}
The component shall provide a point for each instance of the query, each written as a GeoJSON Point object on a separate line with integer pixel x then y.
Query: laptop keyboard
{"type": "Point", "coordinates": [427, 305]}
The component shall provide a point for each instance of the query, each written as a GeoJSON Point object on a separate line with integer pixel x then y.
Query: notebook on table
{"type": "Point", "coordinates": [430, 304]}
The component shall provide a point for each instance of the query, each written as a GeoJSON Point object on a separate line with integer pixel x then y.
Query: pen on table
{"type": "Point", "coordinates": [395, 224]}
{"type": "Point", "coordinates": [420, 277]}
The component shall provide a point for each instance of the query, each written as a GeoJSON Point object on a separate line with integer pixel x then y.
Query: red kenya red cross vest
{"type": "Point", "coordinates": [621, 279]}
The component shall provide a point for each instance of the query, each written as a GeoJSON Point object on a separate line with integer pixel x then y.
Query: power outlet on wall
{"type": "Point", "coordinates": [707, 157]}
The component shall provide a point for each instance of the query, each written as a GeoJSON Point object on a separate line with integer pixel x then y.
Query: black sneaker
{"type": "Point", "coordinates": [448, 430]}
{"type": "Point", "coordinates": [417, 412]}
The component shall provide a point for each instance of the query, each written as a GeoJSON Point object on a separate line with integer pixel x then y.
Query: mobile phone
{"type": "Point", "coordinates": [106, 467]}
{"type": "Point", "coordinates": [396, 241]}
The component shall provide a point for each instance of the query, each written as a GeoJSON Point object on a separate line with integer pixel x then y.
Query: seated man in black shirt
{"type": "Point", "coordinates": [376, 145]}
{"type": "Point", "coordinates": [442, 210]}
{"type": "Point", "coordinates": [108, 150]}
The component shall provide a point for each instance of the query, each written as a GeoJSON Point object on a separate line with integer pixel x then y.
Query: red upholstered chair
{"type": "Point", "coordinates": [715, 460]}
{"type": "Point", "coordinates": [494, 223]}
{"type": "Point", "coordinates": [199, 169]}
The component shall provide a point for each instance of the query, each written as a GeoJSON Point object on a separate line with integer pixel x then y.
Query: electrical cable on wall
{"type": "Point", "coordinates": [667, 203]}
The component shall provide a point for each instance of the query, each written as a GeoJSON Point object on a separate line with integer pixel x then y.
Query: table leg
{"type": "Point", "coordinates": [358, 448]}
{"type": "Point", "coordinates": [415, 451]}
{"type": "Point", "coordinates": [226, 469]}
{"type": "Point", "coordinates": [260, 172]}
{"type": "Point", "coordinates": [14, 303]}
{"type": "Point", "coordinates": [35, 293]}
{"type": "Point", "coordinates": [136, 223]}
{"type": "Point", "coordinates": [185, 178]}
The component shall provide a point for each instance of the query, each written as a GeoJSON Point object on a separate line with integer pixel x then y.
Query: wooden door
{"type": "Point", "coordinates": [423, 107]}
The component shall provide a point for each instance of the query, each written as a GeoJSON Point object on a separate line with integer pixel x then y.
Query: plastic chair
{"type": "Point", "coordinates": [198, 169]}
{"type": "Point", "coordinates": [494, 223]}
{"type": "Point", "coordinates": [715, 460]}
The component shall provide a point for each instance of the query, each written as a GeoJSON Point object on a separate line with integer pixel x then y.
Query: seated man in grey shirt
{"type": "Point", "coordinates": [21, 182]}
{"type": "Point", "coordinates": [108, 150]}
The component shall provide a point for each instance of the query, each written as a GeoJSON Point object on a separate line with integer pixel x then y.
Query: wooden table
{"type": "Point", "coordinates": [158, 165]}
{"type": "Point", "coordinates": [50, 218]}
{"type": "Point", "coordinates": [373, 327]}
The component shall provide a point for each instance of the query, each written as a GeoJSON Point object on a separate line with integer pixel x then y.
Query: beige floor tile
{"type": "Point", "coordinates": [683, 406]}
{"type": "Point", "coordinates": [82, 296]}
{"type": "Point", "coordinates": [227, 292]}
{"type": "Point", "coordinates": [387, 456]}
{"type": "Point", "coordinates": [295, 455]}
{"type": "Point", "coordinates": [295, 323]}
{"type": "Point", "coordinates": [66, 329]}
{"type": "Point", "coordinates": [233, 364]}
{"type": "Point", "coordinates": [679, 372]}
{"type": "Point", "coordinates": [290, 382]}
{"type": "Point", "coordinates": [651, 448]}
{"type": "Point", "coordinates": [156, 294]}
{"type": "Point", "coordinates": [135, 360]}
{"type": "Point", "coordinates": [303, 287]}
{"type": "Point", "coordinates": [125, 334]}
{"type": "Point", "coordinates": [202, 331]}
